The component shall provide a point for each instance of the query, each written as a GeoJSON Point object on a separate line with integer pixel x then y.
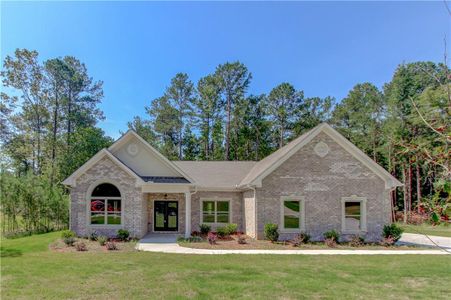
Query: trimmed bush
{"type": "Point", "coordinates": [81, 246]}
{"type": "Point", "coordinates": [301, 238]}
{"type": "Point", "coordinates": [272, 232]}
{"type": "Point", "coordinates": [393, 231]}
{"type": "Point", "coordinates": [111, 245]}
{"type": "Point", "coordinates": [212, 238]}
{"type": "Point", "coordinates": [204, 228]}
{"type": "Point", "coordinates": [102, 240]}
{"type": "Point", "coordinates": [67, 234]}
{"type": "Point", "coordinates": [231, 228]}
{"type": "Point", "coordinates": [69, 241]}
{"type": "Point", "coordinates": [222, 232]}
{"type": "Point", "coordinates": [123, 234]}
{"type": "Point", "coordinates": [332, 234]}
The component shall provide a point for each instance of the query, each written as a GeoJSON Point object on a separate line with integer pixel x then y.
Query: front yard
{"type": "Point", "coordinates": [30, 270]}
{"type": "Point", "coordinates": [437, 230]}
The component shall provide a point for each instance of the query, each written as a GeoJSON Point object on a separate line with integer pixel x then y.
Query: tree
{"type": "Point", "coordinates": [190, 145]}
{"type": "Point", "coordinates": [284, 103]}
{"type": "Point", "coordinates": [180, 95]}
{"type": "Point", "coordinates": [314, 110]}
{"type": "Point", "coordinates": [144, 129]}
{"type": "Point", "coordinates": [359, 117]}
{"type": "Point", "coordinates": [233, 79]}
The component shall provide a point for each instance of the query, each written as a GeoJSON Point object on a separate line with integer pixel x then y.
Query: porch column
{"type": "Point", "coordinates": [187, 214]}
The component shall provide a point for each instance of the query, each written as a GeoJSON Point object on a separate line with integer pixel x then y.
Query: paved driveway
{"type": "Point", "coordinates": [423, 240]}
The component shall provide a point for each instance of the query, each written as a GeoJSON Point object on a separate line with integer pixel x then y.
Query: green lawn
{"type": "Point", "coordinates": [439, 230]}
{"type": "Point", "coordinates": [30, 270]}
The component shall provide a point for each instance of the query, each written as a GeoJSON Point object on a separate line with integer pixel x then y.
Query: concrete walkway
{"type": "Point", "coordinates": [166, 243]}
{"type": "Point", "coordinates": [423, 240]}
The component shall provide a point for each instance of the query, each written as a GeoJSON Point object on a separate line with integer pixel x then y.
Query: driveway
{"type": "Point", "coordinates": [425, 240]}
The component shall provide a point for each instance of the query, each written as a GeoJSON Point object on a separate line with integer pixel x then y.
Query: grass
{"type": "Point", "coordinates": [438, 230]}
{"type": "Point", "coordinates": [30, 270]}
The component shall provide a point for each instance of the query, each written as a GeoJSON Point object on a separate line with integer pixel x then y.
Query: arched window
{"type": "Point", "coordinates": [105, 205]}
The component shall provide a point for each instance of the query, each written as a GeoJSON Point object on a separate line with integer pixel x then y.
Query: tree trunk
{"type": "Point", "coordinates": [410, 188]}
{"type": "Point", "coordinates": [418, 175]}
{"type": "Point", "coordinates": [227, 146]}
{"type": "Point", "coordinates": [55, 131]}
{"type": "Point", "coordinates": [405, 193]}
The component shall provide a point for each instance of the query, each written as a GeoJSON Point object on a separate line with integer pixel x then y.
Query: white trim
{"type": "Point", "coordinates": [88, 198]}
{"type": "Point", "coordinates": [123, 139]}
{"type": "Point", "coordinates": [363, 224]}
{"type": "Point", "coordinates": [72, 179]}
{"type": "Point", "coordinates": [389, 180]}
{"type": "Point", "coordinates": [215, 199]}
{"type": "Point", "coordinates": [187, 214]}
{"type": "Point", "coordinates": [164, 188]}
{"type": "Point", "coordinates": [301, 214]}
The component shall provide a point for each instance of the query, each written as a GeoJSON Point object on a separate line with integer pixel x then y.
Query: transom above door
{"type": "Point", "coordinates": [166, 215]}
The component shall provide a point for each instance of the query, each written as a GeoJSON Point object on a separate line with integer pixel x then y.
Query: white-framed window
{"type": "Point", "coordinates": [292, 214]}
{"type": "Point", "coordinates": [215, 211]}
{"type": "Point", "coordinates": [353, 214]}
{"type": "Point", "coordinates": [105, 207]}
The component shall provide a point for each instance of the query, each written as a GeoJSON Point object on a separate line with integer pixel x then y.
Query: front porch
{"type": "Point", "coordinates": [168, 213]}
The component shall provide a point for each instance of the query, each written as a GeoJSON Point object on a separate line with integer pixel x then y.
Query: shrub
{"type": "Point", "coordinates": [194, 239]}
{"type": "Point", "coordinates": [231, 228]}
{"type": "Point", "coordinates": [67, 234]}
{"type": "Point", "coordinates": [181, 239]}
{"type": "Point", "coordinates": [81, 246]}
{"type": "Point", "coordinates": [204, 228]}
{"type": "Point", "coordinates": [111, 245]}
{"type": "Point", "coordinates": [212, 238]}
{"type": "Point", "coordinates": [330, 242]}
{"type": "Point", "coordinates": [241, 239]}
{"type": "Point", "coordinates": [123, 234]}
{"type": "Point", "coordinates": [69, 241]}
{"type": "Point", "coordinates": [102, 240]}
{"type": "Point", "coordinates": [332, 234]}
{"type": "Point", "coordinates": [272, 232]}
{"type": "Point", "coordinates": [222, 232]}
{"type": "Point", "coordinates": [93, 235]}
{"type": "Point", "coordinates": [301, 238]}
{"type": "Point", "coordinates": [393, 231]}
{"type": "Point", "coordinates": [356, 241]}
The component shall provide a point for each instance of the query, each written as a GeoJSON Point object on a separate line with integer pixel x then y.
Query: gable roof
{"type": "Point", "coordinates": [132, 134]}
{"type": "Point", "coordinates": [216, 174]}
{"type": "Point", "coordinates": [71, 180]}
{"type": "Point", "coordinates": [271, 162]}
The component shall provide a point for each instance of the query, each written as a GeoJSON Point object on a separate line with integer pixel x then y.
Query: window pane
{"type": "Point", "coordinates": [114, 205]}
{"type": "Point", "coordinates": [97, 205]}
{"type": "Point", "coordinates": [222, 206]}
{"type": "Point", "coordinates": [291, 222]}
{"type": "Point", "coordinates": [208, 218]}
{"type": "Point", "coordinates": [97, 218]}
{"type": "Point", "coordinates": [106, 190]}
{"type": "Point", "coordinates": [208, 207]}
{"type": "Point", "coordinates": [352, 208]}
{"type": "Point", "coordinates": [222, 217]}
{"type": "Point", "coordinates": [114, 218]}
{"type": "Point", "coordinates": [352, 223]}
{"type": "Point", "coordinates": [292, 206]}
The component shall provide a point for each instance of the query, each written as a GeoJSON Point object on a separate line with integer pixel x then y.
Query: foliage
{"type": "Point", "coordinates": [212, 238]}
{"type": "Point", "coordinates": [69, 241]}
{"type": "Point", "coordinates": [222, 231]}
{"type": "Point", "coordinates": [357, 241]}
{"type": "Point", "coordinates": [393, 231]}
{"type": "Point", "coordinates": [67, 234]}
{"type": "Point", "coordinates": [300, 238]}
{"type": "Point", "coordinates": [204, 228]}
{"type": "Point", "coordinates": [94, 235]}
{"type": "Point", "coordinates": [332, 235]}
{"type": "Point", "coordinates": [111, 245]}
{"type": "Point", "coordinates": [231, 228]}
{"type": "Point", "coordinates": [191, 239]}
{"type": "Point", "coordinates": [80, 246]}
{"type": "Point", "coordinates": [272, 232]}
{"type": "Point", "coordinates": [102, 240]}
{"type": "Point", "coordinates": [123, 234]}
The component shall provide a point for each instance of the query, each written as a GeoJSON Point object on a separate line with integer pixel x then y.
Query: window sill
{"type": "Point", "coordinates": [105, 226]}
{"type": "Point", "coordinates": [292, 230]}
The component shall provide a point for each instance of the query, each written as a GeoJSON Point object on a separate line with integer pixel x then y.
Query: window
{"type": "Point", "coordinates": [105, 208]}
{"type": "Point", "coordinates": [215, 211]}
{"type": "Point", "coordinates": [292, 214]}
{"type": "Point", "coordinates": [354, 217]}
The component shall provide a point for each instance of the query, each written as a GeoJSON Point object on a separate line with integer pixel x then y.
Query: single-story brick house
{"type": "Point", "coordinates": [318, 182]}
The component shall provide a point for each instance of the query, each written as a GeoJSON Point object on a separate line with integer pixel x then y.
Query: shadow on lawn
{"type": "Point", "coordinates": [9, 252]}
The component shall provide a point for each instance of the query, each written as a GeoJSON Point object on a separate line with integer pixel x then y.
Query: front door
{"type": "Point", "coordinates": [166, 216]}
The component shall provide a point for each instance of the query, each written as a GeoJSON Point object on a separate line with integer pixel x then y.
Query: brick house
{"type": "Point", "coordinates": [318, 182]}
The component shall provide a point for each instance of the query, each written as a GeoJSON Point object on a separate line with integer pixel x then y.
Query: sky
{"type": "Point", "coordinates": [135, 48]}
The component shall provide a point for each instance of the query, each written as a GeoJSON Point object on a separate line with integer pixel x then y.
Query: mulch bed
{"type": "Point", "coordinates": [92, 246]}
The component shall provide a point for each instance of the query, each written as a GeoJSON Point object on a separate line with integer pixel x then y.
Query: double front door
{"type": "Point", "coordinates": [166, 216]}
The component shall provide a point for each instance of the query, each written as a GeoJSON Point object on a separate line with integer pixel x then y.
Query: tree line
{"type": "Point", "coordinates": [49, 114]}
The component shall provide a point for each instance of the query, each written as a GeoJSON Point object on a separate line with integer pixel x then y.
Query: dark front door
{"type": "Point", "coordinates": [166, 216]}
